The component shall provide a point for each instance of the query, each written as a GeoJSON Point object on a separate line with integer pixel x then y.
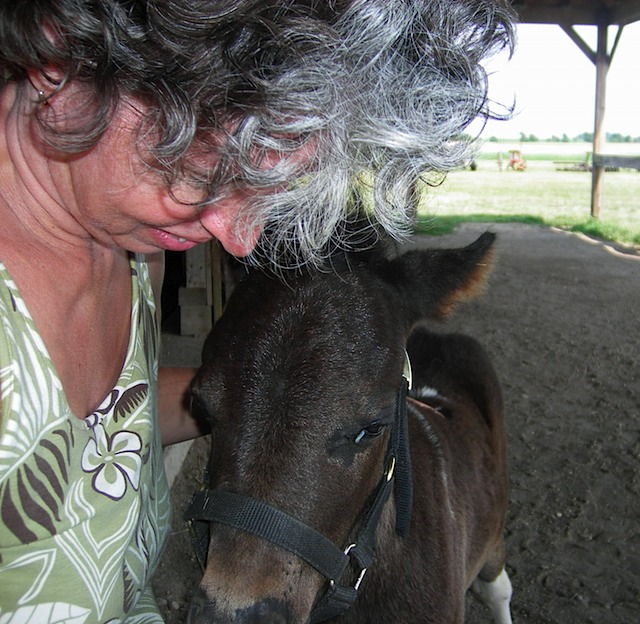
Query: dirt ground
{"type": "Point", "coordinates": [561, 319]}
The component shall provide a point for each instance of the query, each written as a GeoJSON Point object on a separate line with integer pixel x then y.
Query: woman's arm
{"type": "Point", "coordinates": [176, 421]}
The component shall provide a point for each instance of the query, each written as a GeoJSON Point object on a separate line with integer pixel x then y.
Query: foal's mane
{"type": "Point", "coordinates": [363, 244]}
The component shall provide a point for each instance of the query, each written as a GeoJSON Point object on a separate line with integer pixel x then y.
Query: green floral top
{"type": "Point", "coordinates": [84, 504]}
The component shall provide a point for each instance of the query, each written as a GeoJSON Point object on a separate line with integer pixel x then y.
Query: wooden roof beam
{"type": "Point", "coordinates": [567, 13]}
{"type": "Point", "coordinates": [626, 15]}
{"type": "Point", "coordinates": [555, 15]}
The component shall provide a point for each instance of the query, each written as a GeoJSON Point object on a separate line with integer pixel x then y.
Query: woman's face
{"type": "Point", "coordinates": [117, 200]}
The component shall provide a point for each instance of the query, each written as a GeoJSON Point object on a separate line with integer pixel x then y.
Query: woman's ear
{"type": "Point", "coordinates": [50, 78]}
{"type": "Point", "coordinates": [46, 82]}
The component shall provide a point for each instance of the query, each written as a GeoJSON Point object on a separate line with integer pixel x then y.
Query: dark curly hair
{"type": "Point", "coordinates": [379, 90]}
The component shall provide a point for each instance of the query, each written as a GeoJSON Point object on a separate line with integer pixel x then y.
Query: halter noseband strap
{"type": "Point", "coordinates": [267, 522]}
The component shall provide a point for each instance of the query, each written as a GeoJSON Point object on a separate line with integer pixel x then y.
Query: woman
{"type": "Point", "coordinates": [130, 127]}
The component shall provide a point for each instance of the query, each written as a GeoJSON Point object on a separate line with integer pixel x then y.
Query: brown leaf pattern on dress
{"type": "Point", "coordinates": [130, 399]}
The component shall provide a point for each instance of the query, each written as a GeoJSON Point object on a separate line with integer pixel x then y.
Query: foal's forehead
{"type": "Point", "coordinates": [326, 304]}
{"type": "Point", "coordinates": [320, 292]}
{"type": "Point", "coordinates": [293, 347]}
{"type": "Point", "coordinates": [323, 314]}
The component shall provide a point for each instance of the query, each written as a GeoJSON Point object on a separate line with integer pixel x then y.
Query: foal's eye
{"type": "Point", "coordinates": [372, 430]}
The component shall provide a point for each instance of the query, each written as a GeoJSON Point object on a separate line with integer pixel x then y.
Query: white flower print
{"type": "Point", "coordinates": [114, 460]}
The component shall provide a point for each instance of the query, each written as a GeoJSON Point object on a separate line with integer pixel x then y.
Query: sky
{"type": "Point", "coordinates": [553, 82]}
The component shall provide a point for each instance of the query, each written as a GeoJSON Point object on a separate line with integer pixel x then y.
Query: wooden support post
{"type": "Point", "coordinates": [202, 299]}
{"type": "Point", "coordinates": [602, 59]}
{"type": "Point", "coordinates": [217, 280]}
{"type": "Point", "coordinates": [602, 68]}
{"type": "Point", "coordinates": [195, 297]}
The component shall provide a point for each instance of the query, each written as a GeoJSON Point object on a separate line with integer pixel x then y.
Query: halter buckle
{"type": "Point", "coordinates": [391, 468]}
{"type": "Point", "coordinates": [407, 372]}
{"type": "Point", "coordinates": [361, 574]}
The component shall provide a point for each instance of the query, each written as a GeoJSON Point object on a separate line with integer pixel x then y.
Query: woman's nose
{"type": "Point", "coordinates": [224, 221]}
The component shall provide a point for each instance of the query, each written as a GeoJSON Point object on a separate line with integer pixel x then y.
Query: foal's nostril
{"type": "Point", "coordinates": [201, 611]}
{"type": "Point", "coordinates": [268, 611]}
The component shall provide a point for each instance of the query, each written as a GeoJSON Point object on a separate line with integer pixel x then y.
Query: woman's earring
{"type": "Point", "coordinates": [42, 98]}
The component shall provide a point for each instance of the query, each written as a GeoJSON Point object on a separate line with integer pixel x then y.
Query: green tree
{"type": "Point", "coordinates": [586, 137]}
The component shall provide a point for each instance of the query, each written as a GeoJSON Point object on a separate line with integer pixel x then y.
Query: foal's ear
{"type": "Point", "coordinates": [432, 282]}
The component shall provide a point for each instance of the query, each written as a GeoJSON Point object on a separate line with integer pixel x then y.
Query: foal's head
{"type": "Point", "coordinates": [299, 382]}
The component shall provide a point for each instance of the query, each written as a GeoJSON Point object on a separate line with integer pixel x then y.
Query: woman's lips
{"type": "Point", "coordinates": [172, 242]}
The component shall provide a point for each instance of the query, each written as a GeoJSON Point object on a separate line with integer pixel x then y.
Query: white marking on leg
{"type": "Point", "coordinates": [497, 596]}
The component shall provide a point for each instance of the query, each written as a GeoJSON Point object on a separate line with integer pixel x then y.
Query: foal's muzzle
{"type": "Point", "coordinates": [268, 611]}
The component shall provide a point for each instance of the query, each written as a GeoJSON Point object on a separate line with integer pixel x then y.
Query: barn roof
{"type": "Point", "coordinates": [574, 12]}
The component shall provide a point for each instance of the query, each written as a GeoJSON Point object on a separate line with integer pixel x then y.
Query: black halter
{"type": "Point", "coordinates": [267, 522]}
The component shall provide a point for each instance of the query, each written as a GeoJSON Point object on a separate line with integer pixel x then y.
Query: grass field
{"type": "Point", "coordinates": [541, 194]}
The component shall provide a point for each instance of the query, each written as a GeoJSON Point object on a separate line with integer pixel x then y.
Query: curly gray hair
{"type": "Point", "coordinates": [380, 90]}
